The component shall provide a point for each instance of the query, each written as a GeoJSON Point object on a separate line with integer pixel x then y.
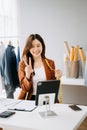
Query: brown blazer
{"type": "Point", "coordinates": [26, 85]}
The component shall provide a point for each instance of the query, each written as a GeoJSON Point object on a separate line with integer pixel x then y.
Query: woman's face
{"type": "Point", "coordinates": [36, 48]}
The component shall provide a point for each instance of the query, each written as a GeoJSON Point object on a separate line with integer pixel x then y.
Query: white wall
{"type": "Point", "coordinates": [56, 21]}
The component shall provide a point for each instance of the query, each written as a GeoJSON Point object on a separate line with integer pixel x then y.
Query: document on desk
{"type": "Point", "coordinates": [24, 105]}
{"type": "Point", "coordinates": [5, 103]}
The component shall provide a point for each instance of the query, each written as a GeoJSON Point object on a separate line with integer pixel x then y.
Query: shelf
{"type": "Point", "coordinates": [72, 81]}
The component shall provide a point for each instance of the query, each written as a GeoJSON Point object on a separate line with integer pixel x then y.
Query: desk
{"type": "Point", "coordinates": [66, 119]}
{"type": "Point", "coordinates": [74, 91]}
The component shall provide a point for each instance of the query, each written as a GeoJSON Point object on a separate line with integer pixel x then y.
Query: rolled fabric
{"type": "Point", "coordinates": [72, 53]}
{"type": "Point", "coordinates": [67, 48]}
{"type": "Point", "coordinates": [82, 54]}
{"type": "Point", "coordinates": [76, 53]}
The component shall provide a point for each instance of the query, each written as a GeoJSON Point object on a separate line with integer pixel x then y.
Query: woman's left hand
{"type": "Point", "coordinates": [58, 74]}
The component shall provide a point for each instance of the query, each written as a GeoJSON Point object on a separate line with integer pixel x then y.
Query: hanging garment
{"type": "Point", "coordinates": [17, 63]}
{"type": "Point", "coordinates": [2, 50]}
{"type": "Point", "coordinates": [9, 71]}
{"type": "Point", "coordinates": [18, 56]}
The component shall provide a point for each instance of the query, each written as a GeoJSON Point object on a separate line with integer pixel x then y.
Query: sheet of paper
{"type": "Point", "coordinates": [5, 103]}
{"type": "Point", "coordinates": [25, 105]}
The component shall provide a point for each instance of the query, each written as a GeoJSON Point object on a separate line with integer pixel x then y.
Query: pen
{"type": "Point", "coordinates": [16, 109]}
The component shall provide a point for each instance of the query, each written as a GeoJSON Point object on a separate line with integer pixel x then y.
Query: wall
{"type": "Point", "coordinates": [56, 21]}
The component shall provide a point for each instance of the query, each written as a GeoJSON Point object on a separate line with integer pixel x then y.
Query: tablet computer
{"type": "Point", "coordinates": [47, 90]}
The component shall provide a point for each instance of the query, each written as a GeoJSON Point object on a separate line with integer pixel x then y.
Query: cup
{"type": "Point", "coordinates": [72, 69]}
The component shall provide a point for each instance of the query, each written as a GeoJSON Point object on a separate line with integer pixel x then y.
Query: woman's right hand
{"type": "Point", "coordinates": [28, 69]}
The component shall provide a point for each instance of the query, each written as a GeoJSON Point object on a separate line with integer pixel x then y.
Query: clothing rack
{"type": "Point", "coordinates": [13, 38]}
{"type": "Point", "coordinates": [18, 36]}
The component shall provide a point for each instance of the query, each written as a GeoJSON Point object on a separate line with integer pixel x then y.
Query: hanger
{"type": "Point", "coordinates": [10, 42]}
{"type": "Point", "coordinates": [1, 43]}
{"type": "Point", "coordinates": [18, 42]}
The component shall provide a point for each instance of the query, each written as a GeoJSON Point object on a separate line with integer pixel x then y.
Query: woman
{"type": "Point", "coordinates": [35, 67]}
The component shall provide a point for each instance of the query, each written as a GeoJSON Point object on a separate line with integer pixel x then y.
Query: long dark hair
{"type": "Point", "coordinates": [28, 46]}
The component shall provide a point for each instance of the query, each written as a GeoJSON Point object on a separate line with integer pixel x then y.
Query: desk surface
{"type": "Point", "coordinates": [66, 119]}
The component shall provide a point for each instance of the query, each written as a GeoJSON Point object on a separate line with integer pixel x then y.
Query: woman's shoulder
{"type": "Point", "coordinates": [21, 63]}
{"type": "Point", "coordinates": [49, 60]}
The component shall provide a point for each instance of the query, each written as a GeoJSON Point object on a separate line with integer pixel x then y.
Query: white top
{"type": "Point", "coordinates": [39, 76]}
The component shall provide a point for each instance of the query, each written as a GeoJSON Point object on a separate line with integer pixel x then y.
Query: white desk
{"type": "Point", "coordinates": [74, 91]}
{"type": "Point", "coordinates": [66, 119]}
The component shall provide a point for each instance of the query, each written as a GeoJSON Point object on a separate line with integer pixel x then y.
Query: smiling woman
{"type": "Point", "coordinates": [34, 67]}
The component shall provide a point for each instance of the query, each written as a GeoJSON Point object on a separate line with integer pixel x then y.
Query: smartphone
{"type": "Point", "coordinates": [6, 114]}
{"type": "Point", "coordinates": [75, 108]}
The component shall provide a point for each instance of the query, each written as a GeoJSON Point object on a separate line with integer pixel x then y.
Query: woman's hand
{"type": "Point", "coordinates": [28, 69]}
{"type": "Point", "coordinates": [58, 74]}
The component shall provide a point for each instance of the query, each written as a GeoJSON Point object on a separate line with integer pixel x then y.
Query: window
{"type": "Point", "coordinates": [8, 19]}
{"type": "Point", "coordinates": [8, 23]}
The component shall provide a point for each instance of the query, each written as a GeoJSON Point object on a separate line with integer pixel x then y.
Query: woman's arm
{"type": "Point", "coordinates": [25, 83]}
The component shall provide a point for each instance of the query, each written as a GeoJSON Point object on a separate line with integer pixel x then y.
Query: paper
{"type": "Point", "coordinates": [5, 103]}
{"type": "Point", "coordinates": [14, 104]}
{"type": "Point", "coordinates": [24, 105]}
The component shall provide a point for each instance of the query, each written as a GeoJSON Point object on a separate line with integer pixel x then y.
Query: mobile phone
{"type": "Point", "coordinates": [6, 114]}
{"type": "Point", "coordinates": [75, 108]}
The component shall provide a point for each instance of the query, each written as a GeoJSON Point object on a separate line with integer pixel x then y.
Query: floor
{"type": "Point", "coordinates": [83, 125]}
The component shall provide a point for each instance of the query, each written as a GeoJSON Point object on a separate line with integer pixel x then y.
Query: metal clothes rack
{"type": "Point", "coordinates": [12, 38]}
{"type": "Point", "coordinates": [18, 36]}
{"type": "Point", "coordinates": [15, 40]}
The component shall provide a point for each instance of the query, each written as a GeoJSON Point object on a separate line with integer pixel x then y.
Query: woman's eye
{"type": "Point", "coordinates": [34, 46]}
{"type": "Point", "coordinates": [38, 45]}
